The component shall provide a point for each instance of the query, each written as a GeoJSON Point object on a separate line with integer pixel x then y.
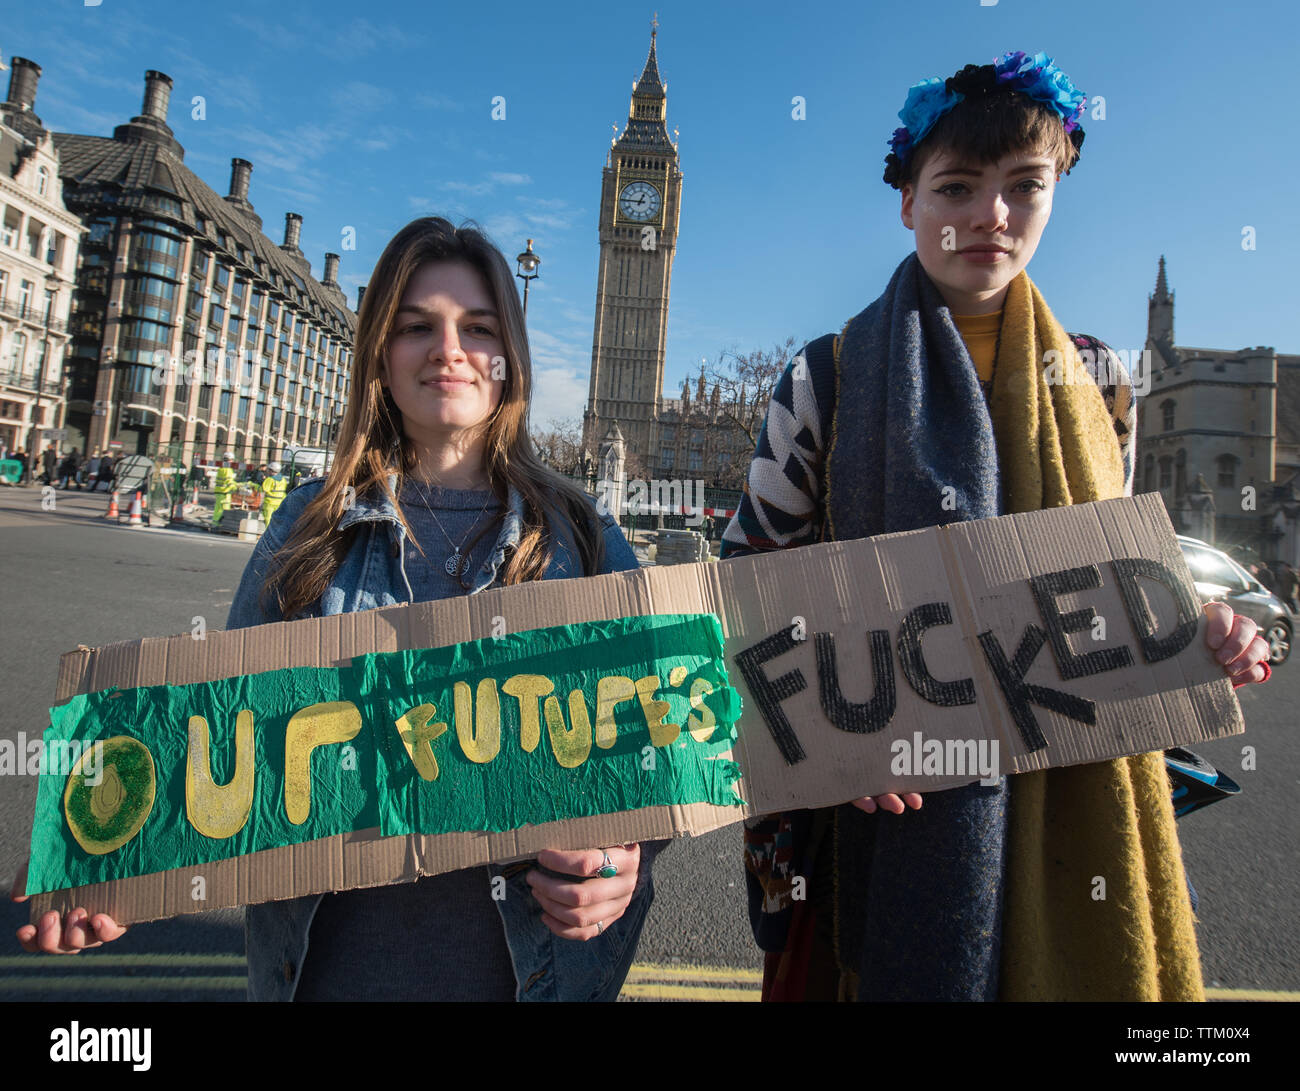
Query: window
{"type": "Point", "coordinates": [12, 222]}
{"type": "Point", "coordinates": [24, 295]}
{"type": "Point", "coordinates": [666, 457]}
{"type": "Point", "coordinates": [224, 410]}
{"type": "Point", "coordinates": [1227, 471]}
{"type": "Point", "coordinates": [18, 351]}
{"type": "Point", "coordinates": [42, 181]}
{"type": "Point", "coordinates": [1167, 415]}
{"type": "Point", "coordinates": [34, 229]}
{"type": "Point", "coordinates": [139, 379]}
{"type": "Point", "coordinates": [1166, 472]}
{"type": "Point", "coordinates": [4, 284]}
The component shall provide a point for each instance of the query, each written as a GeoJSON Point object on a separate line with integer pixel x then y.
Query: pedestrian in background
{"type": "Point", "coordinates": [1288, 583]}
{"type": "Point", "coordinates": [67, 469]}
{"type": "Point", "coordinates": [49, 463]}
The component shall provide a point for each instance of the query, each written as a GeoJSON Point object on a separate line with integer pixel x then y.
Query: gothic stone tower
{"type": "Point", "coordinates": [639, 206]}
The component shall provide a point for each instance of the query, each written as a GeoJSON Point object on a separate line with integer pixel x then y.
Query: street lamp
{"type": "Point", "coordinates": [52, 283]}
{"type": "Point", "coordinates": [331, 436]}
{"type": "Point", "coordinates": [528, 263]}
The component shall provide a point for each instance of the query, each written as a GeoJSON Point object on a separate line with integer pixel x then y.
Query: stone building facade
{"type": "Point", "coordinates": [38, 260]}
{"type": "Point", "coordinates": [1219, 437]}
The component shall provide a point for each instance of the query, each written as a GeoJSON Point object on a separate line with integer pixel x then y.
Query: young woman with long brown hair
{"type": "Point", "coordinates": [435, 491]}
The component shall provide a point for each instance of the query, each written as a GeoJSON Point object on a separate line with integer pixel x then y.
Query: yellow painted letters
{"type": "Point", "coordinates": [701, 726]}
{"type": "Point", "coordinates": [661, 734]}
{"type": "Point", "coordinates": [610, 692]}
{"type": "Point", "coordinates": [479, 735]}
{"type": "Point", "coordinates": [216, 810]}
{"type": "Point", "coordinates": [571, 745]}
{"type": "Point", "coordinates": [528, 689]}
{"type": "Point", "coordinates": [417, 735]}
{"type": "Point", "coordinates": [313, 726]}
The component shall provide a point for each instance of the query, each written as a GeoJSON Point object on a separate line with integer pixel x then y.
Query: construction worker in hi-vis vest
{"type": "Point", "coordinates": [275, 487]}
{"type": "Point", "coordinates": [224, 487]}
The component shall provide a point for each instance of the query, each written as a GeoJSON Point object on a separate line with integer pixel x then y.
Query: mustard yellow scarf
{"type": "Point", "coordinates": [1096, 902]}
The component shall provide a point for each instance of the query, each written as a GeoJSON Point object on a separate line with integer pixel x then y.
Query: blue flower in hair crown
{"type": "Point", "coordinates": [927, 101]}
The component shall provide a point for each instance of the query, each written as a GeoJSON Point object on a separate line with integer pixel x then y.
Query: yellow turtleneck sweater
{"type": "Point", "coordinates": [980, 332]}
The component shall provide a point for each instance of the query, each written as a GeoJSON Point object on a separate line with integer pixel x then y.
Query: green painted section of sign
{"type": "Point", "coordinates": [371, 780]}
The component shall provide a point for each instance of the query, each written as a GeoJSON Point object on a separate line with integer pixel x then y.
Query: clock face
{"type": "Point", "coordinates": [639, 201]}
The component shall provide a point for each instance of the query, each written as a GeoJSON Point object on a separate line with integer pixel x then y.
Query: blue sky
{"type": "Point", "coordinates": [367, 116]}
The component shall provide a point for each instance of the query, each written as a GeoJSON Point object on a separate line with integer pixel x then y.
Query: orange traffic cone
{"type": "Point", "coordinates": [178, 509]}
{"type": "Point", "coordinates": [195, 498]}
{"type": "Point", "coordinates": [136, 511]}
{"type": "Point", "coordinates": [112, 512]}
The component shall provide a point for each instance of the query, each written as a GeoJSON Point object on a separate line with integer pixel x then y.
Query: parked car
{"type": "Point", "coordinates": [1218, 576]}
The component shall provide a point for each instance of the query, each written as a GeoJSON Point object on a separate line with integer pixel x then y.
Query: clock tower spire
{"type": "Point", "coordinates": [639, 207]}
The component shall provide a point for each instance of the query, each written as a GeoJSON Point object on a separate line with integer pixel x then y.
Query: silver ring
{"type": "Point", "coordinates": [608, 869]}
{"type": "Point", "coordinates": [600, 927]}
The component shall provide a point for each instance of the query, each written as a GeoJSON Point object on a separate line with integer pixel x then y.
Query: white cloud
{"type": "Point", "coordinates": [436, 101]}
{"type": "Point", "coordinates": [362, 96]}
{"type": "Point", "coordinates": [502, 228]}
{"type": "Point", "coordinates": [508, 179]}
{"type": "Point", "coordinates": [559, 393]}
{"type": "Point", "coordinates": [474, 189]}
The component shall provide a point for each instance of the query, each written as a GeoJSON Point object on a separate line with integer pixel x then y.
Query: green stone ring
{"type": "Point", "coordinates": [607, 869]}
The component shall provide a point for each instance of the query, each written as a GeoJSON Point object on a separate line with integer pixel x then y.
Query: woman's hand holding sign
{"type": "Point", "coordinates": [74, 933]}
{"type": "Point", "coordinates": [583, 910]}
{"type": "Point", "coordinates": [1238, 648]}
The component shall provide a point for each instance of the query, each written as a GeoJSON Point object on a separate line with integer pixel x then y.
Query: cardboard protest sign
{"type": "Point", "coordinates": [370, 748]}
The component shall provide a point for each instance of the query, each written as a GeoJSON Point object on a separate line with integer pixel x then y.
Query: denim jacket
{"type": "Point", "coordinates": [373, 574]}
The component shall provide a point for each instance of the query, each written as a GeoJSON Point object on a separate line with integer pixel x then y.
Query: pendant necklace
{"type": "Point", "coordinates": [456, 562]}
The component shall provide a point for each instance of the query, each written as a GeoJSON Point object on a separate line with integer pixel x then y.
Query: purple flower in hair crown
{"type": "Point", "coordinates": [927, 101]}
{"type": "Point", "coordinates": [1040, 79]}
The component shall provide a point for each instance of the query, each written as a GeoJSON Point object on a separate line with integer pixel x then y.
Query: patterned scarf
{"type": "Point", "coordinates": [908, 401]}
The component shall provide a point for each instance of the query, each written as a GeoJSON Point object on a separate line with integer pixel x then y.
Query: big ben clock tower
{"type": "Point", "coordinates": [640, 202]}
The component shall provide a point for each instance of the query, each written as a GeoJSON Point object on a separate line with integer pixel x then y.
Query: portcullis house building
{"type": "Point", "coordinates": [170, 270]}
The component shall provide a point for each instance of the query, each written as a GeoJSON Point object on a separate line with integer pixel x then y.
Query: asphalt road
{"type": "Point", "coordinates": [69, 578]}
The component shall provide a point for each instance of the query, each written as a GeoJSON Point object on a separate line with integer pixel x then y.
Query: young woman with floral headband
{"type": "Point", "coordinates": [937, 391]}
{"type": "Point", "coordinates": [435, 491]}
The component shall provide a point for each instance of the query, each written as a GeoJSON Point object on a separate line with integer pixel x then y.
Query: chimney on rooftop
{"type": "Point", "coordinates": [361, 293]}
{"type": "Point", "coordinates": [240, 169]}
{"type": "Point", "coordinates": [157, 95]}
{"type": "Point", "coordinates": [331, 278]}
{"type": "Point", "coordinates": [292, 232]}
{"type": "Point", "coordinates": [150, 124]}
{"type": "Point", "coordinates": [22, 82]}
{"type": "Point", "coordinates": [17, 108]}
